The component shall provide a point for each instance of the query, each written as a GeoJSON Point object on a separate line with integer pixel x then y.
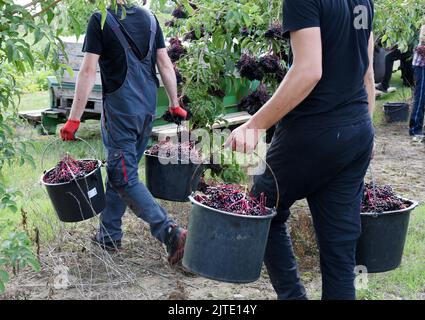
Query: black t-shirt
{"type": "Point", "coordinates": [340, 96]}
{"type": "Point", "coordinates": [112, 62]}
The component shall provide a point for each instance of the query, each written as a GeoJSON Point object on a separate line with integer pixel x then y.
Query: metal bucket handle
{"type": "Point", "coordinates": [268, 166]}
{"type": "Point", "coordinates": [54, 141]}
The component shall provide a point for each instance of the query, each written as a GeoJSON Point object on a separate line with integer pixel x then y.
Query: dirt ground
{"type": "Point", "coordinates": [72, 268]}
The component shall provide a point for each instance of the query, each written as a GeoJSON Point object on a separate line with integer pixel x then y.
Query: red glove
{"type": "Point", "coordinates": [69, 129]}
{"type": "Point", "coordinates": [178, 112]}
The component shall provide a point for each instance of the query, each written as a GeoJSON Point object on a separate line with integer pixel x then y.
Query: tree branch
{"type": "Point", "coordinates": [54, 3]}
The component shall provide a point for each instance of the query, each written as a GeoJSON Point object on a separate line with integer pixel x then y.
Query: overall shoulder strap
{"type": "Point", "coordinates": [153, 30]}
{"type": "Point", "coordinates": [116, 28]}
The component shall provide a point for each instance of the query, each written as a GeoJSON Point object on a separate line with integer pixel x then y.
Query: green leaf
{"type": "Point", "coordinates": [50, 16]}
{"type": "Point", "coordinates": [68, 69]}
{"type": "Point", "coordinates": [38, 35]}
{"type": "Point", "coordinates": [10, 48]}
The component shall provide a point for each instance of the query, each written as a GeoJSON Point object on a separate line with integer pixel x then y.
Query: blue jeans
{"type": "Point", "coordinates": [417, 116]}
{"type": "Point", "coordinates": [327, 167]}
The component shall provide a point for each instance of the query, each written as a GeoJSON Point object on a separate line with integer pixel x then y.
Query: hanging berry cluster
{"type": "Point", "coordinates": [249, 67]}
{"type": "Point", "coordinates": [68, 168]}
{"type": "Point", "coordinates": [381, 199]}
{"type": "Point", "coordinates": [275, 31]}
{"type": "Point", "coordinates": [232, 198]}
{"type": "Point", "coordinates": [255, 69]}
{"type": "Point", "coordinates": [254, 101]}
{"type": "Point", "coordinates": [176, 49]}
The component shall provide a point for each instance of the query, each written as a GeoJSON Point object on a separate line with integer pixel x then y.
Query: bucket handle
{"type": "Point", "coordinates": [265, 162]}
{"type": "Point", "coordinates": [372, 177]}
{"type": "Point", "coordinates": [54, 141]}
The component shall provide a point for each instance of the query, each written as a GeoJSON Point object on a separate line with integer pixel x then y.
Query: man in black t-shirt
{"type": "Point", "coordinates": [127, 51]}
{"type": "Point", "coordinates": [323, 141]}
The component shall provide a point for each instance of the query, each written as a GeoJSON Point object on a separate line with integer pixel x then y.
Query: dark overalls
{"type": "Point", "coordinates": [127, 118]}
{"type": "Point", "coordinates": [327, 166]}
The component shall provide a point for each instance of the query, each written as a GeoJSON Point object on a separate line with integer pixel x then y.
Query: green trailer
{"type": "Point", "coordinates": [62, 94]}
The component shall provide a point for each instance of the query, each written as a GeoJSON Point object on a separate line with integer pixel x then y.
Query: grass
{"type": "Point", "coordinates": [34, 101]}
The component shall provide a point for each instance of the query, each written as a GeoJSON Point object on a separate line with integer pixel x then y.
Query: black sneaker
{"type": "Point", "coordinates": [175, 244]}
{"type": "Point", "coordinates": [381, 88]}
{"type": "Point", "coordinates": [110, 246]}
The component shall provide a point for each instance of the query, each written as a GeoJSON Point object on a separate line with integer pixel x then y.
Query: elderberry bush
{"type": "Point", "coordinates": [250, 68]}
{"type": "Point", "coordinates": [233, 199]}
{"type": "Point", "coordinates": [381, 199]}
{"type": "Point", "coordinates": [68, 168]}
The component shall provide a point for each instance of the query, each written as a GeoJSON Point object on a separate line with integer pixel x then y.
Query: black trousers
{"type": "Point", "coordinates": [327, 167]}
{"type": "Point", "coordinates": [405, 66]}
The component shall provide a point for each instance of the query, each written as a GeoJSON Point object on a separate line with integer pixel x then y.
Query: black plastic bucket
{"type": "Point", "coordinates": [79, 199]}
{"type": "Point", "coordinates": [381, 244]}
{"type": "Point", "coordinates": [224, 246]}
{"type": "Point", "coordinates": [396, 112]}
{"type": "Point", "coordinates": [170, 181]}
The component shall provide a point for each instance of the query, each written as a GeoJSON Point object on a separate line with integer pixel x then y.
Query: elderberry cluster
{"type": "Point", "coordinates": [68, 168]}
{"type": "Point", "coordinates": [250, 68]}
{"type": "Point", "coordinates": [191, 35]}
{"type": "Point", "coordinates": [254, 101]}
{"type": "Point", "coordinates": [381, 199]}
{"type": "Point", "coordinates": [180, 12]}
{"type": "Point", "coordinates": [176, 49]}
{"type": "Point", "coordinates": [275, 31]}
{"type": "Point", "coordinates": [167, 116]}
{"type": "Point", "coordinates": [270, 63]}
{"type": "Point", "coordinates": [232, 198]}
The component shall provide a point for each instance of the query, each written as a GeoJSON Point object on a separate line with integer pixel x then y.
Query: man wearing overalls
{"type": "Point", "coordinates": [127, 51]}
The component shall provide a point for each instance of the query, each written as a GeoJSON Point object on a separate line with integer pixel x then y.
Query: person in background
{"type": "Point", "coordinates": [417, 116]}
{"type": "Point", "coordinates": [127, 51]}
{"type": "Point", "coordinates": [393, 55]}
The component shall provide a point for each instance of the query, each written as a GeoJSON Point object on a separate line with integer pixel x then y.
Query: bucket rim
{"type": "Point", "coordinates": [269, 216]}
{"type": "Point", "coordinates": [64, 183]}
{"type": "Point", "coordinates": [413, 205]}
{"type": "Point", "coordinates": [395, 104]}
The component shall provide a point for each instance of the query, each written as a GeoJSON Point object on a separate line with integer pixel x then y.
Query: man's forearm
{"type": "Point", "coordinates": [85, 83]}
{"type": "Point", "coordinates": [297, 85]}
{"type": "Point", "coordinates": [168, 77]}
